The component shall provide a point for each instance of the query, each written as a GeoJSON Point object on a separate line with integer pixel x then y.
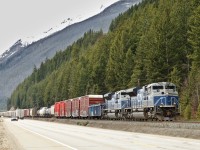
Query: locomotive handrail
{"type": "Point", "coordinates": [163, 101]}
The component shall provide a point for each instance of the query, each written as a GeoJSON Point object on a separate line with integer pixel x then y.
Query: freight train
{"type": "Point", "coordinates": [157, 101]}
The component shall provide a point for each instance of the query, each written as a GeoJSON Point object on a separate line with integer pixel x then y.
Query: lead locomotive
{"type": "Point", "coordinates": [155, 101]}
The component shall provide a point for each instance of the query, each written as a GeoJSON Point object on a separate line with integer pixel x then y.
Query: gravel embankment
{"type": "Point", "coordinates": [4, 142]}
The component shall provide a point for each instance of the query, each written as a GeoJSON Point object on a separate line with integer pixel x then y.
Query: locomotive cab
{"type": "Point", "coordinates": [162, 98]}
{"type": "Point", "coordinates": [116, 103]}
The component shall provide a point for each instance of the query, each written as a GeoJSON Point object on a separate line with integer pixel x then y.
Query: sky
{"type": "Point", "coordinates": [30, 19]}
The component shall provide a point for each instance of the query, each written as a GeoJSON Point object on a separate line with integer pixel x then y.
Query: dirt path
{"type": "Point", "coordinates": [4, 142]}
{"type": "Point", "coordinates": [7, 140]}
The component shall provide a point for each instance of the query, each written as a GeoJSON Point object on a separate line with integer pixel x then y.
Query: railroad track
{"type": "Point", "coordinates": [53, 119]}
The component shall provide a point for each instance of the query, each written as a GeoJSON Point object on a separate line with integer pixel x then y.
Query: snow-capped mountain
{"type": "Point", "coordinates": [18, 62]}
{"type": "Point", "coordinates": [13, 49]}
{"type": "Point", "coordinates": [25, 41]}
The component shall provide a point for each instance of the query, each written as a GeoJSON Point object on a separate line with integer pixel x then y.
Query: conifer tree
{"type": "Point", "coordinates": [194, 39]}
{"type": "Point", "coordinates": [198, 112]}
{"type": "Point", "coordinates": [187, 112]}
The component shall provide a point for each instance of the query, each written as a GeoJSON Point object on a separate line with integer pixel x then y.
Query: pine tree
{"type": "Point", "coordinates": [198, 112]}
{"type": "Point", "coordinates": [175, 77]}
{"type": "Point", "coordinates": [187, 112]}
{"type": "Point", "coordinates": [128, 68]}
{"type": "Point", "coordinates": [194, 39]}
{"type": "Point", "coordinates": [98, 58]}
{"type": "Point", "coordinates": [194, 36]}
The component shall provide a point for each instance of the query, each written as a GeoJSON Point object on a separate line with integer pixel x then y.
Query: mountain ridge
{"type": "Point", "coordinates": [20, 65]}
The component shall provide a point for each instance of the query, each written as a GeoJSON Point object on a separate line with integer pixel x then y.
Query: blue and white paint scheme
{"type": "Point", "coordinates": [156, 101]}
{"type": "Point", "coordinates": [163, 94]}
{"type": "Point", "coordinates": [160, 100]}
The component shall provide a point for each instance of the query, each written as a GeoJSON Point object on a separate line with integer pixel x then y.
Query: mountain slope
{"type": "Point", "coordinates": [14, 68]}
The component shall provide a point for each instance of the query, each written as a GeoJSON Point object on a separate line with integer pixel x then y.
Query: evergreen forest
{"type": "Point", "coordinates": [156, 40]}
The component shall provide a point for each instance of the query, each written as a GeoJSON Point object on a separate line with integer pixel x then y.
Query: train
{"type": "Point", "coordinates": [155, 101]}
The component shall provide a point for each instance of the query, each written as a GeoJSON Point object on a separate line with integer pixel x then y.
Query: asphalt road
{"type": "Point", "coordinates": [39, 135]}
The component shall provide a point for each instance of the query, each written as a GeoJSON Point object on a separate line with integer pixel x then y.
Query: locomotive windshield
{"type": "Point", "coordinates": [170, 87]}
{"type": "Point", "coordinates": [157, 87]}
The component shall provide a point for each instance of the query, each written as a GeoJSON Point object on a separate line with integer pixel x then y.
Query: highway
{"type": "Point", "coordinates": [39, 135]}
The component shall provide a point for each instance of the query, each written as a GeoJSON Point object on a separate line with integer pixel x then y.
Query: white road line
{"type": "Point", "coordinates": [50, 139]}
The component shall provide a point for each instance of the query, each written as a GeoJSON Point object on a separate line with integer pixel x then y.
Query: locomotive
{"type": "Point", "coordinates": [156, 101]}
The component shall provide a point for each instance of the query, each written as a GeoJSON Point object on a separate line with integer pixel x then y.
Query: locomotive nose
{"type": "Point", "coordinates": [168, 100]}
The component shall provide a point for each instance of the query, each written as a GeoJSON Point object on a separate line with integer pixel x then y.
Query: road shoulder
{"type": "Point", "coordinates": [11, 142]}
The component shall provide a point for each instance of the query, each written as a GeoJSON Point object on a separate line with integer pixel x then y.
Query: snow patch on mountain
{"type": "Point", "coordinates": [25, 41]}
{"type": "Point", "coordinates": [63, 24]}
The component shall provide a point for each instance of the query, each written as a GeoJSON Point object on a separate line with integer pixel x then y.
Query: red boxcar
{"type": "Point", "coordinates": [68, 108]}
{"type": "Point", "coordinates": [76, 107]}
{"type": "Point", "coordinates": [86, 101]}
{"type": "Point", "coordinates": [57, 109]}
{"type": "Point", "coordinates": [62, 108]}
